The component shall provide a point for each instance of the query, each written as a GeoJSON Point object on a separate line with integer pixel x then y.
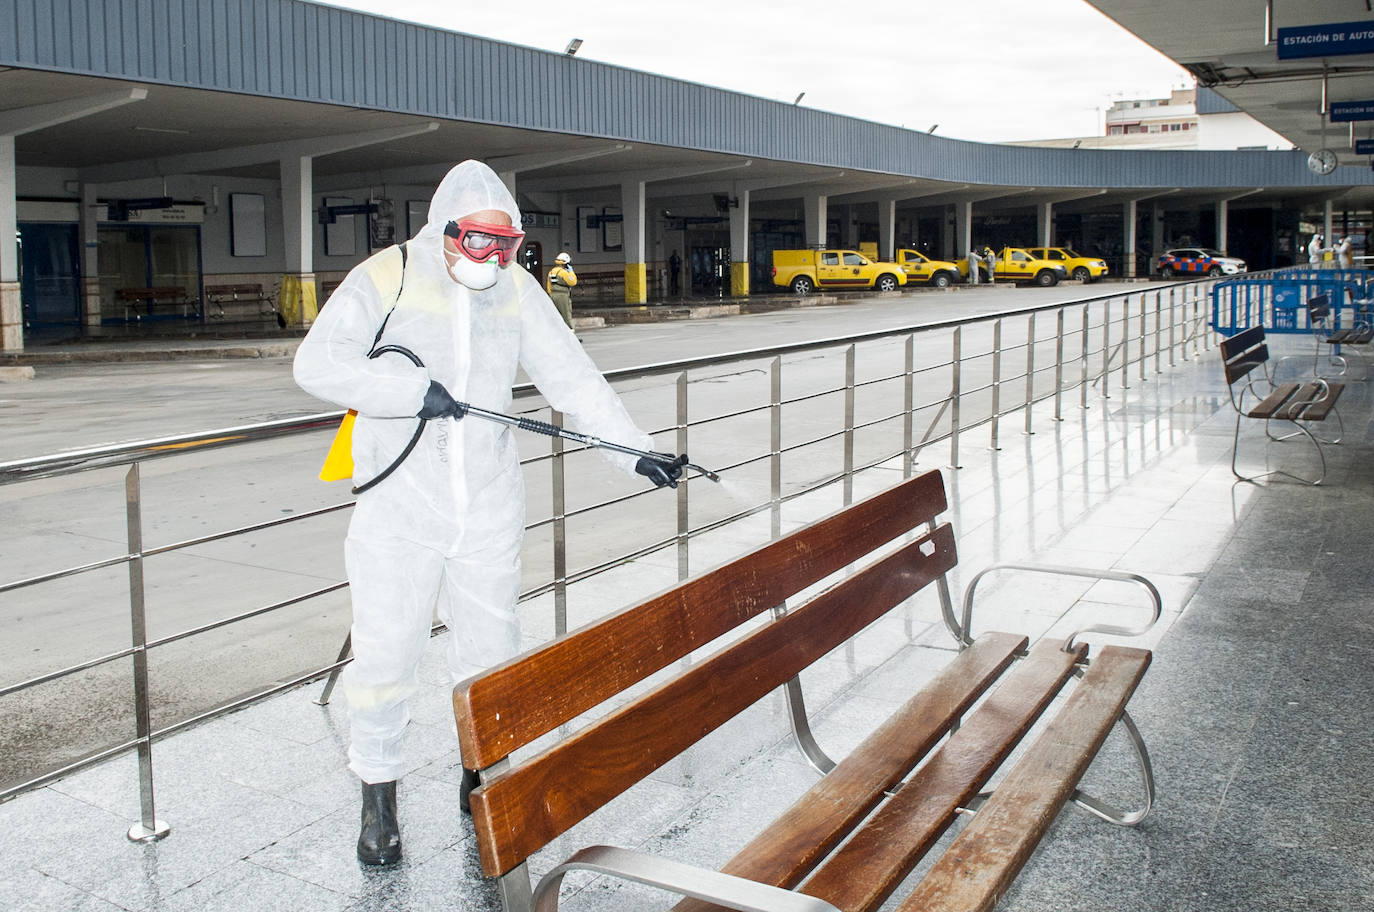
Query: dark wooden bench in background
{"type": "Point", "coordinates": [1299, 402]}
{"type": "Point", "coordinates": [249, 295]}
{"type": "Point", "coordinates": [851, 840]}
{"type": "Point", "coordinates": [149, 298]}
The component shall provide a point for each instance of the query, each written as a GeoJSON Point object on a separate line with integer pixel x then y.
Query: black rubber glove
{"type": "Point", "coordinates": [439, 404]}
{"type": "Point", "coordinates": [662, 472]}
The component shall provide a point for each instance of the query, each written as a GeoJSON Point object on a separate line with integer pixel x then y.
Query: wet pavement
{"type": "Point", "coordinates": [1255, 710]}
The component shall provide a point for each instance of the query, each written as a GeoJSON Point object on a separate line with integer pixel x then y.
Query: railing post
{"type": "Point", "coordinates": [1173, 322]}
{"type": "Point", "coordinates": [1106, 349]}
{"type": "Point", "coordinates": [1143, 309]}
{"type": "Point", "coordinates": [1083, 361]}
{"type": "Point", "coordinates": [996, 384]}
{"type": "Point", "coordinates": [683, 514]}
{"type": "Point", "coordinates": [1126, 342]}
{"type": "Point", "coordinates": [1159, 331]}
{"type": "Point", "coordinates": [849, 426]}
{"type": "Point", "coordinates": [954, 394]}
{"type": "Point", "coordinates": [560, 533]}
{"type": "Point", "coordinates": [1059, 365]}
{"type": "Point", "coordinates": [908, 406]}
{"type": "Point", "coordinates": [149, 828]}
{"type": "Point", "coordinates": [1030, 371]}
{"type": "Point", "coordinates": [775, 443]}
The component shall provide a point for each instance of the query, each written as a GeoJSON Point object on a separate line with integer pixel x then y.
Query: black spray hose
{"type": "Point", "coordinates": [419, 428]}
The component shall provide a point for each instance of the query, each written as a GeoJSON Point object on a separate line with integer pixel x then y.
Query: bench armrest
{"type": "Point", "coordinates": [961, 632]}
{"type": "Point", "coordinates": [683, 879]}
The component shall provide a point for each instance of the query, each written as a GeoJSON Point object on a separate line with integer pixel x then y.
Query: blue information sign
{"type": "Point", "coordinates": [1343, 111]}
{"type": "Point", "coordinates": [1364, 147]}
{"type": "Point", "coordinates": [1332, 39]}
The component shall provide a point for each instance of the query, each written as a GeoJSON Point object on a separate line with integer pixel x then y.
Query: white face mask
{"type": "Point", "coordinates": [476, 276]}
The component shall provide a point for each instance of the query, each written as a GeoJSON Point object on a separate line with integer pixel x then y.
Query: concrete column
{"type": "Point", "coordinates": [1128, 242]}
{"type": "Point", "coordinates": [297, 302]}
{"type": "Point", "coordinates": [946, 239]}
{"type": "Point", "coordinates": [1328, 224]}
{"type": "Point", "coordinates": [11, 308]}
{"type": "Point", "coordinates": [90, 257]}
{"type": "Point", "coordinates": [1223, 209]}
{"type": "Point", "coordinates": [508, 178]}
{"type": "Point", "coordinates": [816, 217]}
{"type": "Point", "coordinates": [632, 237]}
{"type": "Point", "coordinates": [739, 244]}
{"type": "Point", "coordinates": [1044, 218]}
{"type": "Point", "coordinates": [887, 229]}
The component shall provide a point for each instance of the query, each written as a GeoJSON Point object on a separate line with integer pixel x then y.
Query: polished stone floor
{"type": "Point", "coordinates": [1257, 708]}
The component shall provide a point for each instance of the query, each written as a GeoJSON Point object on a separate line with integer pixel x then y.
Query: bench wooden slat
{"type": "Point", "coordinates": [1243, 352]}
{"type": "Point", "coordinates": [1269, 406]}
{"type": "Point", "coordinates": [1295, 409]}
{"type": "Point", "coordinates": [511, 705]}
{"type": "Point", "coordinates": [979, 866]}
{"type": "Point", "coordinates": [619, 750]}
{"type": "Point", "coordinates": [865, 871]}
{"type": "Point", "coordinates": [783, 853]}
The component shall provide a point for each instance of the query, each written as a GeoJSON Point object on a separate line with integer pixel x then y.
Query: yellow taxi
{"type": "Point", "coordinates": [1085, 269]}
{"type": "Point", "coordinates": [921, 268]}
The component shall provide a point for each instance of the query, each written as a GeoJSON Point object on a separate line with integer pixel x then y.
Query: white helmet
{"type": "Point", "coordinates": [563, 258]}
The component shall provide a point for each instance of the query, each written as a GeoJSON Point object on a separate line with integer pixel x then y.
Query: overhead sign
{"type": "Point", "coordinates": [1364, 147]}
{"type": "Point", "coordinates": [1332, 39]}
{"type": "Point", "coordinates": [1342, 111]}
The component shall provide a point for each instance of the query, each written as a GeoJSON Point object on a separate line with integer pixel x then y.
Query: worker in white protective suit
{"type": "Point", "coordinates": [444, 528]}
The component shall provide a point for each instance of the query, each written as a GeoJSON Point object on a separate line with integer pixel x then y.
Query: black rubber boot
{"type": "Point", "coordinates": [470, 782]}
{"type": "Point", "coordinates": [379, 843]}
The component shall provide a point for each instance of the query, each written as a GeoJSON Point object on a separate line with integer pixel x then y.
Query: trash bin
{"type": "Point", "coordinates": [1286, 307]}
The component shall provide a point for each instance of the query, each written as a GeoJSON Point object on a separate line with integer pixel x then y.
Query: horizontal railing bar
{"type": "Point", "coordinates": [251, 613]}
{"type": "Point", "coordinates": [67, 770]}
{"type": "Point", "coordinates": [70, 571]}
{"type": "Point", "coordinates": [69, 670]}
{"type": "Point", "coordinates": [255, 527]}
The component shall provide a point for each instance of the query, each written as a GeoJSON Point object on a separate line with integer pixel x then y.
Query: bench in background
{"type": "Point", "coordinates": [1331, 339]}
{"type": "Point", "coordinates": [1297, 403]}
{"type": "Point", "coordinates": [150, 298]}
{"type": "Point", "coordinates": [869, 820]}
{"type": "Point", "coordinates": [239, 300]}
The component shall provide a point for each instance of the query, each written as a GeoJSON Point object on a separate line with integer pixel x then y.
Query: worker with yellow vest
{"type": "Point", "coordinates": [559, 285]}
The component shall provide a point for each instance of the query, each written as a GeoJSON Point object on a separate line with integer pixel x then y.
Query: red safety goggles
{"type": "Point", "coordinates": [479, 240]}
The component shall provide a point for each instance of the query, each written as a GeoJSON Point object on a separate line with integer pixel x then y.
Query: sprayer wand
{"type": "Point", "coordinates": [551, 430]}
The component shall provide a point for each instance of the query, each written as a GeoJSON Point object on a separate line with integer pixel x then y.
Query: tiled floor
{"type": "Point", "coordinates": [1256, 709]}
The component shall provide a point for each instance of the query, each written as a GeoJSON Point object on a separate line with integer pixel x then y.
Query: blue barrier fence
{"type": "Point", "coordinates": [1278, 300]}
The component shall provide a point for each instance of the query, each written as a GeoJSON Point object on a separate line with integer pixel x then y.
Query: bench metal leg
{"type": "Point", "coordinates": [1235, 454]}
{"type": "Point", "coordinates": [1147, 779]}
{"type": "Point", "coordinates": [801, 725]}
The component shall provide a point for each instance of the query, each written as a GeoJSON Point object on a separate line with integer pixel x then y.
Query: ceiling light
{"type": "Point", "coordinates": [573, 46]}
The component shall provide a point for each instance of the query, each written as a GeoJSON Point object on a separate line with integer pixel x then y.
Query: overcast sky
{"type": "Point", "coordinates": [992, 70]}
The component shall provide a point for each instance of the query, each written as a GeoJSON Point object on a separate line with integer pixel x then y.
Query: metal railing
{"type": "Point", "coordinates": [1059, 353]}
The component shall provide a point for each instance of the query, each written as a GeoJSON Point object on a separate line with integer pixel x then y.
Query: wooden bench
{"type": "Point", "coordinates": [1330, 338]}
{"type": "Point", "coordinates": [149, 298]}
{"type": "Point", "coordinates": [852, 839]}
{"type": "Point", "coordinates": [250, 294]}
{"type": "Point", "coordinates": [1299, 403]}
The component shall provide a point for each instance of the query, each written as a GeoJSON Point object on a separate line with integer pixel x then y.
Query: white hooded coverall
{"type": "Point", "coordinates": [444, 530]}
